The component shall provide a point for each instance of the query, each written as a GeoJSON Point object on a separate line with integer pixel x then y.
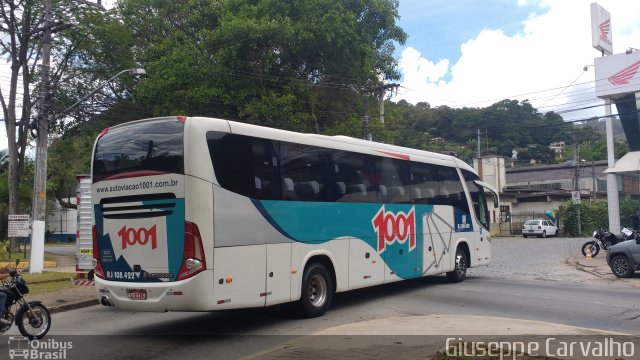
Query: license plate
{"type": "Point", "coordinates": [530, 230]}
{"type": "Point", "coordinates": [137, 294]}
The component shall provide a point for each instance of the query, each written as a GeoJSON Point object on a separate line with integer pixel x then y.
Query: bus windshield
{"type": "Point", "coordinates": [150, 147]}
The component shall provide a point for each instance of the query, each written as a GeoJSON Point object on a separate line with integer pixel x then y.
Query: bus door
{"type": "Point", "coordinates": [480, 192]}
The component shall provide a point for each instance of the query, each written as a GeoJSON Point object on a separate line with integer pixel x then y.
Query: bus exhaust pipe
{"type": "Point", "coordinates": [104, 300]}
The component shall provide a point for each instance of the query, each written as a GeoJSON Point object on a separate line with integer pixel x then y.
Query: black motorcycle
{"type": "Point", "coordinates": [33, 318]}
{"type": "Point", "coordinates": [605, 239]}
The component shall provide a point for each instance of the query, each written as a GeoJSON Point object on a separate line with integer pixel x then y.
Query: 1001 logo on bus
{"type": "Point", "coordinates": [142, 236]}
{"type": "Point", "coordinates": [391, 227]}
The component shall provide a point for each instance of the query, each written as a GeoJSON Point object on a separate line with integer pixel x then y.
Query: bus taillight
{"type": "Point", "coordinates": [193, 260]}
{"type": "Point", "coordinates": [97, 267]}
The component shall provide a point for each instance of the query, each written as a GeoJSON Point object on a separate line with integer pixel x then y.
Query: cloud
{"type": "Point", "coordinates": [537, 63]}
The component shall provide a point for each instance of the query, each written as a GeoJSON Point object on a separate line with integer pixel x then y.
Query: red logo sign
{"type": "Point", "coordinates": [141, 236]}
{"type": "Point", "coordinates": [605, 27]}
{"type": "Point", "coordinates": [392, 227]}
{"type": "Point", "coordinates": [625, 75]}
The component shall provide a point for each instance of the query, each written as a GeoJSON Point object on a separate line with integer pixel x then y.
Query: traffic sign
{"type": "Point", "coordinates": [575, 197]}
{"type": "Point", "coordinates": [19, 225]}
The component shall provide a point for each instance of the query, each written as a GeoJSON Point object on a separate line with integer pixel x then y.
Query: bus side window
{"type": "Point", "coordinates": [394, 181]}
{"type": "Point", "coordinates": [230, 155]}
{"type": "Point", "coordinates": [423, 183]}
{"type": "Point", "coordinates": [246, 165]}
{"type": "Point", "coordinates": [266, 169]}
{"type": "Point", "coordinates": [309, 169]}
{"type": "Point", "coordinates": [353, 170]}
{"type": "Point", "coordinates": [477, 198]}
{"type": "Point", "coordinates": [451, 189]}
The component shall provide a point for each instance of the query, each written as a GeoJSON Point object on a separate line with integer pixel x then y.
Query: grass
{"type": "Point", "coordinates": [43, 288]}
{"type": "Point", "coordinates": [20, 255]}
{"type": "Point", "coordinates": [49, 281]}
{"type": "Point", "coordinates": [47, 276]}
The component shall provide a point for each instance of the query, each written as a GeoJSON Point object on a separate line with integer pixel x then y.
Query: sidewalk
{"type": "Point", "coordinates": [598, 267]}
{"type": "Point", "coordinates": [75, 297]}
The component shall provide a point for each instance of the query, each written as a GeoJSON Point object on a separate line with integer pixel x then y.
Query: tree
{"type": "Point", "coordinates": [294, 65]}
{"type": "Point", "coordinates": [298, 65]}
{"type": "Point", "coordinates": [20, 45]}
{"type": "Point", "coordinates": [95, 48]}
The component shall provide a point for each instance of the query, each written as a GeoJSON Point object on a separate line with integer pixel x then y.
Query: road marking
{"type": "Point", "coordinates": [476, 290]}
{"type": "Point", "coordinates": [618, 306]}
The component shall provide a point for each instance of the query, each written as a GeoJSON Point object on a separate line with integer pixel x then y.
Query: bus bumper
{"type": "Point", "coordinates": [193, 294]}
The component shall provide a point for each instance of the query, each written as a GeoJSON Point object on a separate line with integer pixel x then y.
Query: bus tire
{"type": "Point", "coordinates": [460, 271]}
{"type": "Point", "coordinates": [316, 292]}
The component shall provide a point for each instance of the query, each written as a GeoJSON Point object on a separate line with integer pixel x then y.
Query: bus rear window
{"type": "Point", "coordinates": [147, 147]}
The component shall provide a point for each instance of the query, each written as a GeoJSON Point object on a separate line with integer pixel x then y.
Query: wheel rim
{"type": "Point", "coordinates": [37, 324]}
{"type": "Point", "coordinates": [317, 290]}
{"type": "Point", "coordinates": [620, 266]}
{"type": "Point", "coordinates": [461, 265]}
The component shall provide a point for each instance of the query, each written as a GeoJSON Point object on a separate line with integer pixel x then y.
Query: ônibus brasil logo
{"type": "Point", "coordinates": [625, 75]}
{"type": "Point", "coordinates": [391, 227]}
{"type": "Point", "coordinates": [131, 236]}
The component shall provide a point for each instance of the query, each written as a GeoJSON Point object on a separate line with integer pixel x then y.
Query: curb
{"type": "Point", "coordinates": [73, 306]}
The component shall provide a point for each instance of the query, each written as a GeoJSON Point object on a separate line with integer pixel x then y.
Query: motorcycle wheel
{"type": "Point", "coordinates": [34, 327]}
{"type": "Point", "coordinates": [595, 249]}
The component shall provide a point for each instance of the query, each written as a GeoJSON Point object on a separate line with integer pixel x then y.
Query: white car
{"type": "Point", "coordinates": [542, 228]}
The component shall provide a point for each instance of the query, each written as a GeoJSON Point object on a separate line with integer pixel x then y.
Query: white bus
{"type": "Point", "coordinates": [201, 214]}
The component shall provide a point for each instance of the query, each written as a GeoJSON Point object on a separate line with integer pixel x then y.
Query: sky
{"type": "Point", "coordinates": [474, 53]}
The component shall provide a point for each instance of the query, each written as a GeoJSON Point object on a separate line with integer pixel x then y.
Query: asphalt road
{"type": "Point", "coordinates": [240, 333]}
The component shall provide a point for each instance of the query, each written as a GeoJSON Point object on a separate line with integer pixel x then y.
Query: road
{"type": "Point", "coordinates": [68, 249]}
{"type": "Point", "coordinates": [528, 279]}
{"type": "Point", "coordinates": [241, 333]}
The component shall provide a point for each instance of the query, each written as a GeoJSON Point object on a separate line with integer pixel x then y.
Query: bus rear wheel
{"type": "Point", "coordinates": [317, 291]}
{"type": "Point", "coordinates": [460, 271]}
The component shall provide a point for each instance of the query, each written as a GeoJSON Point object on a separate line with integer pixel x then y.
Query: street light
{"type": "Point", "coordinates": [132, 72]}
{"type": "Point", "coordinates": [40, 177]}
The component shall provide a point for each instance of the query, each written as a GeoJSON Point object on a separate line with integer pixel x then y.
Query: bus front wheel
{"type": "Point", "coordinates": [460, 271]}
{"type": "Point", "coordinates": [317, 291]}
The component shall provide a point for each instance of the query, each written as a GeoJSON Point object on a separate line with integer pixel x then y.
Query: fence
{"type": "Point", "coordinates": [513, 224]}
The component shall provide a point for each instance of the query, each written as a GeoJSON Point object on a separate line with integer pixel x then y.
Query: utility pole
{"type": "Point", "coordinates": [594, 183]}
{"type": "Point", "coordinates": [375, 90]}
{"type": "Point", "coordinates": [576, 179]}
{"type": "Point", "coordinates": [478, 142]}
{"type": "Point", "coordinates": [367, 132]}
{"type": "Point", "coordinates": [383, 89]}
{"type": "Point", "coordinates": [39, 205]}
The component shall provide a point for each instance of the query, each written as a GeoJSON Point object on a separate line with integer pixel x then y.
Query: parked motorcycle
{"type": "Point", "coordinates": [605, 239]}
{"type": "Point", "coordinates": [33, 318]}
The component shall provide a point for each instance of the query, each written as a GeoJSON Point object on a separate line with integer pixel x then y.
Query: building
{"type": "Point", "coordinates": [527, 192]}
